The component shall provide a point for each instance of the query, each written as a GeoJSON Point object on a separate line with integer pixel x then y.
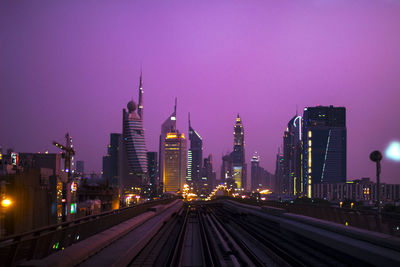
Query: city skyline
{"type": "Point", "coordinates": [82, 90]}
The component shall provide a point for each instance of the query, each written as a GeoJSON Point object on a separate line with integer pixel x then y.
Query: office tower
{"type": "Point", "coordinates": [169, 126]}
{"type": "Point", "coordinates": [80, 167]}
{"type": "Point", "coordinates": [227, 167]}
{"type": "Point", "coordinates": [239, 166]}
{"type": "Point", "coordinates": [279, 170]}
{"type": "Point", "coordinates": [256, 172]}
{"type": "Point", "coordinates": [208, 177]}
{"type": "Point", "coordinates": [324, 142]}
{"type": "Point", "coordinates": [152, 171]}
{"type": "Point", "coordinates": [174, 172]}
{"type": "Point", "coordinates": [195, 157]}
{"type": "Point", "coordinates": [111, 160]}
{"type": "Point", "coordinates": [292, 180]}
{"type": "Point", "coordinates": [133, 157]}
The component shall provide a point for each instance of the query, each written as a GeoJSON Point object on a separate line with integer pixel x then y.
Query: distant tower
{"type": "Point", "coordinates": [227, 167]}
{"type": "Point", "coordinates": [239, 165]}
{"type": "Point", "coordinates": [152, 165]}
{"type": "Point", "coordinates": [174, 171]}
{"type": "Point", "coordinates": [111, 160]}
{"type": "Point", "coordinates": [80, 167]}
{"type": "Point", "coordinates": [255, 171]}
{"type": "Point", "coordinates": [133, 147]}
{"type": "Point", "coordinates": [169, 126]}
{"type": "Point", "coordinates": [324, 145]}
{"type": "Point", "coordinates": [195, 156]}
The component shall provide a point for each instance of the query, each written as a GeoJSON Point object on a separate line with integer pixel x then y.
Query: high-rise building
{"type": "Point", "coordinates": [227, 167]}
{"type": "Point", "coordinates": [80, 167]}
{"type": "Point", "coordinates": [195, 157]}
{"type": "Point", "coordinates": [279, 170]}
{"type": "Point", "coordinates": [111, 160]}
{"type": "Point", "coordinates": [174, 172]}
{"type": "Point", "coordinates": [260, 178]}
{"type": "Point", "coordinates": [208, 178]}
{"type": "Point", "coordinates": [256, 172]}
{"type": "Point", "coordinates": [133, 165]}
{"type": "Point", "coordinates": [324, 142]}
{"type": "Point", "coordinates": [238, 155]}
{"type": "Point", "coordinates": [292, 179]}
{"type": "Point", "coordinates": [152, 171]}
{"type": "Point", "coordinates": [169, 126]}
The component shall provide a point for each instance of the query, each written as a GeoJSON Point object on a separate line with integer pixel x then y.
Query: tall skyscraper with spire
{"type": "Point", "coordinates": [195, 157]}
{"type": "Point", "coordinates": [169, 126]}
{"type": "Point", "coordinates": [238, 154]}
{"type": "Point", "coordinates": [133, 147]}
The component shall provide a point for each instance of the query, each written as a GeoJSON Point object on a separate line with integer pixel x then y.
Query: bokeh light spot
{"type": "Point", "coordinates": [393, 151]}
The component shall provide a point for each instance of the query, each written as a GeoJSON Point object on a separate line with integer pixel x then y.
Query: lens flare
{"type": "Point", "coordinates": [393, 151]}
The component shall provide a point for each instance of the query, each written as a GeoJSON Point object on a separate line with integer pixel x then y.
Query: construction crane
{"type": "Point", "coordinates": [68, 153]}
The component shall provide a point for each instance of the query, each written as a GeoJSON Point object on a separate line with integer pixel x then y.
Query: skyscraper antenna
{"type": "Point", "coordinates": [176, 102]}
{"type": "Point", "coordinates": [189, 118]}
{"type": "Point", "coordinates": [140, 104]}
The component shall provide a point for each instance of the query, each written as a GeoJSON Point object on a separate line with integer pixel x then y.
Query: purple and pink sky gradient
{"type": "Point", "coordinates": [73, 66]}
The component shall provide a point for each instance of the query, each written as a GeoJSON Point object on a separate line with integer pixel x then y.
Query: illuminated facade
{"type": "Point", "coordinates": [357, 190]}
{"type": "Point", "coordinates": [195, 157]}
{"type": "Point", "coordinates": [292, 179]}
{"type": "Point", "coordinates": [169, 126]}
{"type": "Point", "coordinates": [238, 155]}
{"type": "Point", "coordinates": [133, 151]}
{"type": "Point", "coordinates": [152, 170]}
{"type": "Point", "coordinates": [174, 172]}
{"type": "Point", "coordinates": [324, 145]}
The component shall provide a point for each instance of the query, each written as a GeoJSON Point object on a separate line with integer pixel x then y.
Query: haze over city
{"type": "Point", "coordinates": [73, 67]}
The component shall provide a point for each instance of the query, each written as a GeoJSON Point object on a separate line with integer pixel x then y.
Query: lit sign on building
{"type": "Point", "coordinates": [73, 187]}
{"type": "Point", "coordinates": [73, 208]}
{"type": "Point", "coordinates": [14, 158]}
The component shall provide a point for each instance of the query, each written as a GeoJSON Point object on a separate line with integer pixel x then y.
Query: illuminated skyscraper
{"type": "Point", "coordinates": [152, 165]}
{"type": "Point", "coordinates": [292, 180]}
{"type": "Point", "coordinates": [324, 142]}
{"type": "Point", "coordinates": [174, 171]}
{"type": "Point", "coordinates": [133, 147]}
{"type": "Point", "coordinates": [195, 157]}
{"type": "Point", "coordinates": [256, 172]}
{"type": "Point", "coordinates": [239, 165]}
{"type": "Point", "coordinates": [169, 126]}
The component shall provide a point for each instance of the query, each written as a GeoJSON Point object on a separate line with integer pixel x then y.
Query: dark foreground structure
{"type": "Point", "coordinates": [223, 232]}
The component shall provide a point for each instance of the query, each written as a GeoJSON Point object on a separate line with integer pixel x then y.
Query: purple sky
{"type": "Point", "coordinates": [74, 66]}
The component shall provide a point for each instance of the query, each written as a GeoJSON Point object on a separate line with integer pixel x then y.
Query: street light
{"type": "Point", "coordinates": [376, 156]}
{"type": "Point", "coordinates": [5, 203]}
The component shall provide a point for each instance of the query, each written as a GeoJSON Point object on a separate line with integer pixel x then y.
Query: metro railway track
{"type": "Point", "coordinates": [210, 235]}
